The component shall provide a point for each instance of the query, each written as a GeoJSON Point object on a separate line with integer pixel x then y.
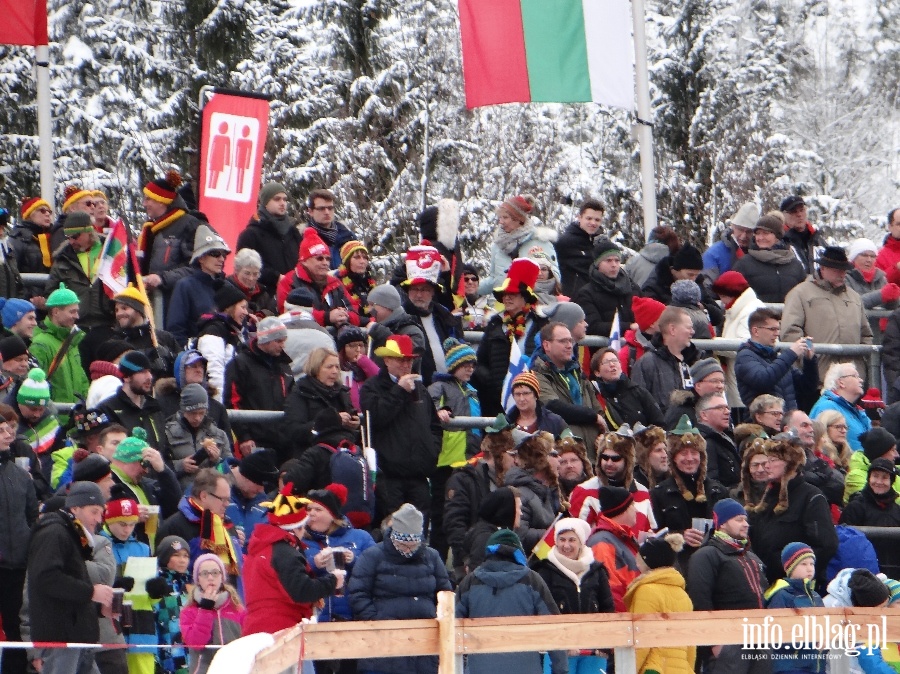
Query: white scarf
{"type": "Point", "coordinates": [573, 569]}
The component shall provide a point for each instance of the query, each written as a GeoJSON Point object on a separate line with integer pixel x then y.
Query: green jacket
{"type": "Point", "coordinates": [69, 378]}
{"type": "Point", "coordinates": [858, 476]}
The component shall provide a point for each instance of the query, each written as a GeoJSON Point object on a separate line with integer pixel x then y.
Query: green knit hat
{"type": "Point", "coordinates": [129, 450]}
{"type": "Point", "coordinates": [62, 297]}
{"type": "Point", "coordinates": [34, 391]}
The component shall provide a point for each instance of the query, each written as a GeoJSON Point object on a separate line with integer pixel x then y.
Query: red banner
{"type": "Point", "coordinates": [232, 143]}
{"type": "Point", "coordinates": [24, 22]}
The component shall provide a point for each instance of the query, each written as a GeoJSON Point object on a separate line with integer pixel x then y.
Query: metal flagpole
{"type": "Point", "coordinates": [45, 123]}
{"type": "Point", "coordinates": [644, 126]}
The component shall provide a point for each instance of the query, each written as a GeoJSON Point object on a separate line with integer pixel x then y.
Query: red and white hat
{"type": "Point", "coordinates": [121, 510]}
{"type": "Point", "coordinates": [520, 278]}
{"type": "Point", "coordinates": [312, 245]}
{"type": "Point", "coordinates": [423, 265]}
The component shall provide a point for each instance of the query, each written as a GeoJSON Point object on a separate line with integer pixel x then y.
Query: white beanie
{"type": "Point", "coordinates": [577, 526]}
{"type": "Point", "coordinates": [859, 246]}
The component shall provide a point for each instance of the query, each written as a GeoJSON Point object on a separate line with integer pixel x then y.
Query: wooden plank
{"type": "Point", "coordinates": [371, 638]}
{"type": "Point", "coordinates": [504, 635]}
{"type": "Point", "coordinates": [280, 656]}
{"type": "Point", "coordinates": [446, 614]}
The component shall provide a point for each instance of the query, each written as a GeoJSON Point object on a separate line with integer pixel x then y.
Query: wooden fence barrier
{"type": "Point", "coordinates": [452, 638]}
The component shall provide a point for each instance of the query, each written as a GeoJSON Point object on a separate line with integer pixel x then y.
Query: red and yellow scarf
{"type": "Point", "coordinates": [214, 537]}
{"type": "Point", "coordinates": [154, 227]}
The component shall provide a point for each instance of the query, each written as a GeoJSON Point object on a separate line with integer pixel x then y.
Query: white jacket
{"type": "Point", "coordinates": [736, 327]}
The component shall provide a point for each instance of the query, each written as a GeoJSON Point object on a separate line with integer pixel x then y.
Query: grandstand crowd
{"type": "Point", "coordinates": [647, 476]}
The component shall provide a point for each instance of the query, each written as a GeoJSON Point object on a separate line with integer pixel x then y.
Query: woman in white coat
{"type": "Point", "coordinates": [740, 301]}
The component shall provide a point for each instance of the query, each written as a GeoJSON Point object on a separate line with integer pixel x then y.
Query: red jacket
{"type": "Point", "coordinates": [887, 259]}
{"type": "Point", "coordinates": [333, 295]}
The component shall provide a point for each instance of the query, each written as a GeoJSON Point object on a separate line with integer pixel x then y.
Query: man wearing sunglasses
{"type": "Point", "coordinates": [31, 245]}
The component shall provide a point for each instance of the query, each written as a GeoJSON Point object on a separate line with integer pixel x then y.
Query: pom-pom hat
{"type": "Point", "coordinates": [286, 510]}
{"type": "Point", "coordinates": [333, 497]}
{"type": "Point", "coordinates": [164, 190]}
{"type": "Point", "coordinates": [457, 353]}
{"type": "Point", "coordinates": [30, 205]}
{"type": "Point", "coordinates": [34, 391]}
{"type": "Point", "coordinates": [61, 297]}
{"type": "Point", "coordinates": [519, 206]}
{"type": "Point", "coordinates": [71, 194]}
{"type": "Point", "coordinates": [130, 450]}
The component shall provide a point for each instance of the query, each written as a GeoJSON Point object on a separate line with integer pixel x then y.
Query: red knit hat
{"type": "Point", "coordinates": [30, 205]}
{"type": "Point", "coordinates": [872, 400]}
{"type": "Point", "coordinates": [121, 510]}
{"type": "Point", "coordinates": [312, 245]}
{"type": "Point", "coordinates": [646, 311]}
{"type": "Point", "coordinates": [519, 206]}
{"type": "Point", "coordinates": [731, 283]}
{"type": "Point", "coordinates": [164, 190]}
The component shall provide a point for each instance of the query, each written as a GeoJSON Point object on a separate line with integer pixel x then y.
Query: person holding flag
{"type": "Point", "coordinates": [509, 338]}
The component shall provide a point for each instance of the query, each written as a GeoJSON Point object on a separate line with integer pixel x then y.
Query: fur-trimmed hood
{"type": "Point", "coordinates": [546, 234]}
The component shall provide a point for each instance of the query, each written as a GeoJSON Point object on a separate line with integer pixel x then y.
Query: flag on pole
{"type": "Point", "coordinates": [24, 22]}
{"type": "Point", "coordinates": [552, 51]}
{"type": "Point", "coordinates": [615, 333]}
{"type": "Point", "coordinates": [517, 364]}
{"type": "Point", "coordinates": [113, 270]}
{"type": "Point", "coordinates": [548, 540]}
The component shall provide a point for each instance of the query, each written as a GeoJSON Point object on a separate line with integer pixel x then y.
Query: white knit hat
{"type": "Point", "coordinates": [860, 246]}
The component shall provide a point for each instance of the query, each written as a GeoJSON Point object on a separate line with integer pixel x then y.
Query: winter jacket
{"type": "Point", "coordinates": [184, 441]}
{"type": "Point", "coordinates": [162, 356]}
{"type": "Point", "coordinates": [463, 494]}
{"type": "Point", "coordinates": [474, 544]}
{"type": "Point", "coordinates": [94, 306]}
{"type": "Point", "coordinates": [659, 371]}
{"type": "Point", "coordinates": [246, 513]}
{"type": "Point", "coordinates": [279, 252]}
{"type": "Point", "coordinates": [642, 265]}
{"type": "Point", "coordinates": [725, 576]}
{"type": "Point", "coordinates": [405, 427]}
{"type": "Point", "coordinates": [870, 292]}
{"type": "Point", "coordinates": [205, 625]}
{"type": "Point", "coordinates": [193, 297]}
{"type": "Point", "coordinates": [723, 461]}
{"type": "Point", "coordinates": [260, 302]}
{"type": "Point", "coordinates": [796, 593]}
{"type": "Point", "coordinates": [629, 403]}
{"type": "Point", "coordinates": [636, 343]}
{"type": "Point", "coordinates": [33, 253]}
{"type": "Point", "coordinates": [493, 359]}
{"type": "Point", "coordinates": [461, 400]}
{"type": "Point", "coordinates": [498, 588]}
{"type": "Point", "coordinates": [314, 468]}
{"type": "Point", "coordinates": [580, 416]}
{"type": "Point", "coordinates": [20, 503]}
{"type": "Point", "coordinates": [540, 504]}
{"type": "Point", "coordinates": [806, 245]}
{"type": "Point", "coordinates": [69, 380]}
{"type": "Point", "coordinates": [280, 588]}
{"type": "Point", "coordinates": [865, 509]}
{"type": "Point", "coordinates": [721, 256]}
{"type": "Point", "coordinates": [591, 595]}
{"type": "Point", "coordinates": [541, 240]}
{"type": "Point", "coordinates": [887, 259]}
{"type": "Point", "coordinates": [306, 400]}
{"type": "Point", "coordinates": [356, 541]}
{"type": "Point", "coordinates": [615, 547]}
{"type": "Point", "coordinates": [659, 286]}
{"type": "Point", "coordinates": [760, 370]}
{"type": "Point", "coordinates": [661, 591]}
{"type": "Point", "coordinates": [121, 410]}
{"type": "Point", "coordinates": [858, 476]}
{"type": "Point", "coordinates": [445, 325]}
{"type": "Point", "coordinates": [11, 284]}
{"type": "Point", "coordinates": [807, 519]}
{"type": "Point", "coordinates": [602, 297]}
{"type": "Point", "coordinates": [257, 381]}
{"type": "Point", "coordinates": [736, 327]}
{"type": "Point", "coordinates": [162, 489]}
{"type": "Point", "coordinates": [385, 585]}
{"type": "Point", "coordinates": [673, 511]}
{"type": "Point", "coordinates": [547, 421]}
{"type": "Point", "coordinates": [398, 323]}
{"type": "Point", "coordinates": [771, 273]}
{"type": "Point", "coordinates": [830, 316]}
{"type": "Point", "coordinates": [219, 339]}
{"type": "Point", "coordinates": [575, 249]}
{"type": "Point", "coordinates": [168, 251]}
{"type": "Point", "coordinates": [186, 523]}
{"type": "Point", "coordinates": [330, 295]}
{"type": "Point", "coordinates": [890, 356]}
{"type": "Point", "coordinates": [59, 587]}
{"type": "Point", "coordinates": [858, 421]}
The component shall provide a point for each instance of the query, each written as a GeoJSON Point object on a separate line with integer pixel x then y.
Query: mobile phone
{"type": "Point", "coordinates": [199, 456]}
{"type": "Point", "coordinates": [808, 343]}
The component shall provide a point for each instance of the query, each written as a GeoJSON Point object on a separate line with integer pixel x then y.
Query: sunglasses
{"type": "Point", "coordinates": [470, 279]}
{"type": "Point", "coordinates": [321, 258]}
{"type": "Point", "coordinates": [217, 253]}
{"type": "Point", "coordinates": [609, 457]}
{"type": "Point", "coordinates": [554, 453]}
{"type": "Point", "coordinates": [90, 203]}
{"type": "Point", "coordinates": [45, 211]}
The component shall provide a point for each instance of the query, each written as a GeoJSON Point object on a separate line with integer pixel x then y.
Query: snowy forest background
{"type": "Point", "coordinates": [753, 99]}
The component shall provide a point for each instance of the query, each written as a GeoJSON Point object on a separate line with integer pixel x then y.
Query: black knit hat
{"type": "Point", "coordinates": [228, 295]}
{"type": "Point", "coordinates": [876, 442]}
{"type": "Point", "coordinates": [259, 467]}
{"type": "Point", "coordinates": [687, 257]}
{"type": "Point", "coordinates": [658, 552]}
{"type": "Point", "coordinates": [111, 349]}
{"type": "Point", "coordinates": [134, 362]}
{"type": "Point", "coordinates": [90, 468]}
{"type": "Point", "coordinates": [499, 508]}
{"type": "Point", "coordinates": [168, 547]}
{"type": "Point", "coordinates": [884, 465]}
{"type": "Point", "coordinates": [866, 589]}
{"type": "Point", "coordinates": [614, 500]}
{"type": "Point", "coordinates": [12, 347]}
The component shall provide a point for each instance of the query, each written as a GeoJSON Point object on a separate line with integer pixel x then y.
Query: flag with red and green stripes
{"type": "Point", "coordinates": [552, 51]}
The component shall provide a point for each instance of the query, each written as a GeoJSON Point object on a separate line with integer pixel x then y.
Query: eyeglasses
{"type": "Point", "coordinates": [45, 211]}
{"type": "Point", "coordinates": [774, 413]}
{"type": "Point", "coordinates": [770, 328]}
{"type": "Point", "coordinates": [840, 427]}
{"type": "Point", "coordinates": [610, 457]}
{"type": "Point", "coordinates": [718, 407]}
{"type": "Point", "coordinates": [217, 253]}
{"type": "Point", "coordinates": [209, 573]}
{"type": "Point", "coordinates": [856, 376]}
{"type": "Point", "coordinates": [719, 382]}
{"type": "Point", "coordinates": [323, 208]}
{"type": "Point", "coordinates": [610, 361]}
{"type": "Point", "coordinates": [222, 499]}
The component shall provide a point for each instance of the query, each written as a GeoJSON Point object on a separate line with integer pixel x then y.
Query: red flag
{"type": "Point", "coordinates": [24, 22]}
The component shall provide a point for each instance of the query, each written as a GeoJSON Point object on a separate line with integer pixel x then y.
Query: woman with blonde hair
{"type": "Point", "coordinates": [833, 446]}
{"type": "Point", "coordinates": [537, 479]}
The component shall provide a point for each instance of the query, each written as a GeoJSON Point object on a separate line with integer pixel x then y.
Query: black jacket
{"type": "Point", "coordinates": [890, 356]}
{"type": "Point", "coordinates": [771, 274]}
{"type": "Point", "coordinates": [592, 596]}
{"type": "Point", "coordinates": [59, 588]}
{"type": "Point", "coordinates": [95, 308]}
{"type": "Point", "coordinates": [575, 252]}
{"type": "Point", "coordinates": [659, 287]}
{"type": "Point", "coordinates": [723, 461]}
{"type": "Point", "coordinates": [463, 494]}
{"type": "Point", "coordinates": [867, 510]}
{"type": "Point", "coordinates": [630, 403]}
{"type": "Point", "coordinates": [807, 519]}
{"type": "Point", "coordinates": [828, 480]}
{"type": "Point", "coordinates": [161, 489]}
{"type": "Point", "coordinates": [20, 509]}
{"type": "Point", "coordinates": [314, 468]}
{"type": "Point", "coordinates": [121, 410]}
{"type": "Point", "coordinates": [493, 361]}
{"type": "Point", "coordinates": [724, 577]}
{"type": "Point", "coordinates": [309, 397]}
{"type": "Point", "coordinates": [804, 244]}
{"type": "Point", "coordinates": [602, 297]}
{"type": "Point", "coordinates": [659, 371]}
{"type": "Point", "coordinates": [446, 325]}
{"type": "Point", "coordinates": [257, 381]}
{"type": "Point", "coordinates": [279, 253]}
{"type": "Point", "coordinates": [405, 427]}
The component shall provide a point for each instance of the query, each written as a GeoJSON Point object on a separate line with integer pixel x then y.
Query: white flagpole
{"type": "Point", "coordinates": [644, 126]}
{"type": "Point", "coordinates": [45, 123]}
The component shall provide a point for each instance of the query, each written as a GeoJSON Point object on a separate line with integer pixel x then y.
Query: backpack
{"type": "Point", "coordinates": [349, 467]}
{"type": "Point", "coordinates": [855, 551]}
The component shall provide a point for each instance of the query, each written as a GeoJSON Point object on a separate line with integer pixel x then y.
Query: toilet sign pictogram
{"type": "Point", "coordinates": [231, 157]}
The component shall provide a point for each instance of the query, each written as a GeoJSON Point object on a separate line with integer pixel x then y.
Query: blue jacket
{"type": "Point", "coordinates": [122, 550]}
{"type": "Point", "coordinates": [719, 257]}
{"type": "Point", "coordinates": [246, 513]}
{"type": "Point", "coordinates": [385, 585]}
{"type": "Point", "coordinates": [345, 536]}
{"type": "Point", "coordinates": [501, 587]}
{"type": "Point", "coordinates": [857, 421]}
{"type": "Point", "coordinates": [761, 370]}
{"type": "Point", "coordinates": [193, 296]}
{"type": "Point", "coordinates": [796, 593]}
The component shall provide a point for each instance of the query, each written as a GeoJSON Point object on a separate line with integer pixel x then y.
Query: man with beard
{"type": "Point", "coordinates": [133, 406]}
{"type": "Point", "coordinates": [436, 322]}
{"type": "Point", "coordinates": [273, 234]}
{"type": "Point", "coordinates": [574, 467]}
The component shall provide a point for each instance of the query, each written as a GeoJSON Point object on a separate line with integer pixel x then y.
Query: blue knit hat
{"type": "Point", "coordinates": [457, 353]}
{"type": "Point", "coordinates": [793, 554]}
{"type": "Point", "coordinates": [725, 510]}
{"type": "Point", "coordinates": [13, 309]}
